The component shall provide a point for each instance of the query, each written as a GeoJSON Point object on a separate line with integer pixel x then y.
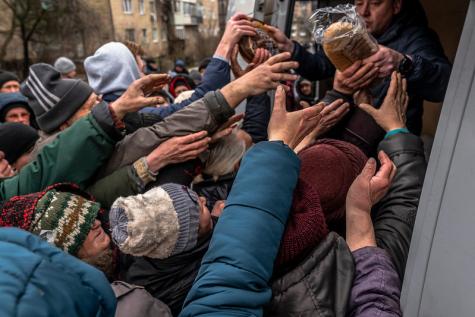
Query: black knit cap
{"type": "Point", "coordinates": [6, 77]}
{"type": "Point", "coordinates": [54, 100]}
{"type": "Point", "coordinates": [16, 139]}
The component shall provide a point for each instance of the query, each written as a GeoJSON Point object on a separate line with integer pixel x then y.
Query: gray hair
{"type": "Point", "coordinates": [224, 155]}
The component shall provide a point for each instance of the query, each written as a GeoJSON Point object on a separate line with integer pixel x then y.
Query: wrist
{"type": "Point", "coordinates": [154, 163]}
{"type": "Point", "coordinates": [224, 50]}
{"type": "Point", "coordinates": [290, 46]}
{"type": "Point", "coordinates": [235, 92]}
{"type": "Point", "coordinates": [394, 131]}
{"type": "Point", "coordinates": [118, 109]}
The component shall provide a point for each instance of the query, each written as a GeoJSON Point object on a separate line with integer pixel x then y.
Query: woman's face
{"type": "Point", "coordinates": [97, 241]}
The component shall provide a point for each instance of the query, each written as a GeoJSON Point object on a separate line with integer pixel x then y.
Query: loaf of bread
{"type": "Point", "coordinates": [344, 45]}
{"type": "Point", "coordinates": [249, 44]}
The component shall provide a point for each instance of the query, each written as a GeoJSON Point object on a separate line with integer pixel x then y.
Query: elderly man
{"type": "Point", "coordinates": [406, 44]}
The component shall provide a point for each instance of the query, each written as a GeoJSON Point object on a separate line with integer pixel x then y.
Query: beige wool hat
{"type": "Point", "coordinates": [158, 224]}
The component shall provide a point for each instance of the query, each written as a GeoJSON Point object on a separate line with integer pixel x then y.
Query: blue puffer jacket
{"type": "Point", "coordinates": [37, 279]}
{"type": "Point", "coordinates": [234, 274]}
{"type": "Point", "coordinates": [216, 77]}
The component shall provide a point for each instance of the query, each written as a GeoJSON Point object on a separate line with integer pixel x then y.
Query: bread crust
{"type": "Point", "coordinates": [344, 44]}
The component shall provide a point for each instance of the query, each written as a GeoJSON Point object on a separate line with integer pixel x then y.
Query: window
{"type": "Point", "coordinates": [153, 9]}
{"type": "Point", "coordinates": [180, 32]}
{"type": "Point", "coordinates": [177, 5]}
{"type": "Point", "coordinates": [155, 33]}
{"type": "Point", "coordinates": [141, 7]}
{"type": "Point", "coordinates": [127, 6]}
{"type": "Point", "coordinates": [130, 35]}
{"type": "Point", "coordinates": [144, 35]}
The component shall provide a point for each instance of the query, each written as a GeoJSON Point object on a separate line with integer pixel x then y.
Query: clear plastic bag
{"type": "Point", "coordinates": [343, 35]}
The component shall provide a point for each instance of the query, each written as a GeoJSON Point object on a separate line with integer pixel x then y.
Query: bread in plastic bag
{"type": "Point", "coordinates": [343, 35]}
{"type": "Point", "coordinates": [249, 44]}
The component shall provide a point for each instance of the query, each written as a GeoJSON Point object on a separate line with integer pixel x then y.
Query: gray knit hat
{"type": "Point", "coordinates": [53, 100]}
{"type": "Point", "coordinates": [64, 65]}
{"type": "Point", "coordinates": [158, 224]}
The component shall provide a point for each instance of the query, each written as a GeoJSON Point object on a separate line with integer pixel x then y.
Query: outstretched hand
{"type": "Point", "coordinates": [331, 115]}
{"type": "Point", "coordinates": [137, 95]}
{"type": "Point", "coordinates": [261, 79]}
{"type": "Point", "coordinates": [260, 57]}
{"type": "Point", "coordinates": [366, 191]}
{"type": "Point", "coordinates": [392, 113]}
{"type": "Point", "coordinates": [291, 127]}
{"type": "Point", "coordinates": [238, 26]}
{"type": "Point", "coordinates": [177, 150]}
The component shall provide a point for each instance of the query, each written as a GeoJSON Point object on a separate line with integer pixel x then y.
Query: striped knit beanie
{"type": "Point", "coordinates": [54, 100]}
{"type": "Point", "coordinates": [158, 224]}
{"type": "Point", "coordinates": [60, 215]}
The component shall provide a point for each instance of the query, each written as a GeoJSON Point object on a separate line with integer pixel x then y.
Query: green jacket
{"type": "Point", "coordinates": [75, 156]}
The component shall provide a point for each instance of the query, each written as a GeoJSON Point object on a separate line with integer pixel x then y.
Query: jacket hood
{"type": "Point", "coordinates": [111, 69]}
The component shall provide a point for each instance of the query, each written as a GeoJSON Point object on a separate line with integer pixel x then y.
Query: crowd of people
{"type": "Point", "coordinates": [137, 193]}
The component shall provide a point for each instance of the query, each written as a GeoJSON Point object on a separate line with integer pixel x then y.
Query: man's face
{"type": "Point", "coordinates": [10, 86]}
{"type": "Point", "coordinates": [18, 114]}
{"type": "Point", "coordinates": [83, 111]}
{"type": "Point", "coordinates": [377, 14]}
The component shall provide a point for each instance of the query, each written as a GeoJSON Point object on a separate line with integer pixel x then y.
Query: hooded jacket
{"type": "Point", "coordinates": [37, 279]}
{"type": "Point", "coordinates": [111, 69]}
{"type": "Point", "coordinates": [408, 34]}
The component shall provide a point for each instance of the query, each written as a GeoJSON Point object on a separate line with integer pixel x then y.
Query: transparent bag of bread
{"type": "Point", "coordinates": [343, 35]}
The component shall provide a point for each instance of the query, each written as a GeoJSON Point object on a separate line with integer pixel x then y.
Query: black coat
{"type": "Point", "coordinates": [319, 286]}
{"type": "Point", "coordinates": [168, 280]}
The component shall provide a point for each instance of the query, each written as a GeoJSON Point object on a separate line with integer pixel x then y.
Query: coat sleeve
{"type": "Point", "coordinates": [430, 76]}
{"type": "Point", "coordinates": [121, 183]}
{"type": "Point", "coordinates": [74, 156]}
{"type": "Point", "coordinates": [257, 117]}
{"type": "Point", "coordinates": [394, 217]}
{"type": "Point", "coordinates": [217, 76]}
{"type": "Point", "coordinates": [376, 288]}
{"type": "Point", "coordinates": [207, 114]}
{"type": "Point", "coordinates": [235, 271]}
{"type": "Point", "coordinates": [312, 66]}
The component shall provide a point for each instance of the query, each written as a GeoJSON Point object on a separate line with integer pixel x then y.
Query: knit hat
{"type": "Point", "coordinates": [54, 100]}
{"type": "Point", "coordinates": [61, 215]}
{"type": "Point", "coordinates": [6, 77]}
{"type": "Point", "coordinates": [306, 225]}
{"type": "Point", "coordinates": [64, 65]}
{"type": "Point", "coordinates": [328, 169]}
{"type": "Point", "coordinates": [158, 224]}
{"type": "Point", "coordinates": [331, 166]}
{"type": "Point", "coordinates": [16, 139]}
{"type": "Point", "coordinates": [9, 101]}
{"type": "Point", "coordinates": [111, 69]}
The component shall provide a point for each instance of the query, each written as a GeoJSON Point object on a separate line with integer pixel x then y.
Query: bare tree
{"type": "Point", "coordinates": [49, 27]}
{"type": "Point", "coordinates": [27, 16]}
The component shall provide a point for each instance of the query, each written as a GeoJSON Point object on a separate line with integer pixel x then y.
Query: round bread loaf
{"type": "Point", "coordinates": [248, 45]}
{"type": "Point", "coordinates": [344, 44]}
